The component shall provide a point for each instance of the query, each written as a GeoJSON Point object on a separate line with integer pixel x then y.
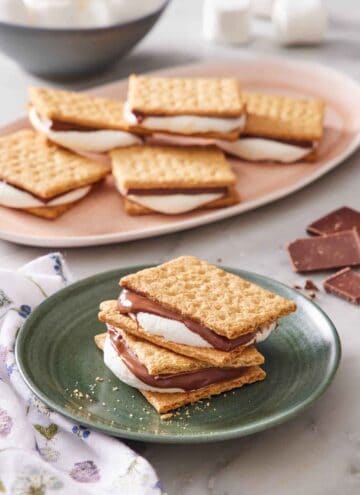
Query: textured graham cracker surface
{"type": "Point", "coordinates": [282, 117]}
{"type": "Point", "coordinates": [49, 212]}
{"type": "Point", "coordinates": [29, 162]}
{"type": "Point", "coordinates": [169, 167]}
{"type": "Point", "coordinates": [165, 402]}
{"type": "Point", "coordinates": [232, 198]}
{"type": "Point", "coordinates": [221, 301]}
{"type": "Point", "coordinates": [241, 356]}
{"type": "Point", "coordinates": [188, 96]}
{"type": "Point", "coordinates": [78, 108]}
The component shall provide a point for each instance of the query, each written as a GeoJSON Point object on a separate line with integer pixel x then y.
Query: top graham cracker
{"type": "Point", "coordinates": [29, 162]}
{"type": "Point", "coordinates": [283, 117]}
{"type": "Point", "coordinates": [78, 108]}
{"type": "Point", "coordinates": [223, 302]}
{"type": "Point", "coordinates": [185, 96]}
{"type": "Point", "coordinates": [169, 167]}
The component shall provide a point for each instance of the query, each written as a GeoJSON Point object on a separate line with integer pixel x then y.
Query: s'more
{"type": "Point", "coordinates": [197, 309]}
{"type": "Point", "coordinates": [41, 178]}
{"type": "Point", "coordinates": [172, 180]}
{"type": "Point", "coordinates": [196, 316]}
{"type": "Point", "coordinates": [212, 108]}
{"type": "Point", "coordinates": [279, 128]}
{"type": "Point", "coordinates": [79, 121]}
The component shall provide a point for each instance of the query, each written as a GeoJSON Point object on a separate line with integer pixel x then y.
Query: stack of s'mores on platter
{"type": "Point", "coordinates": [187, 330]}
{"type": "Point", "coordinates": [167, 144]}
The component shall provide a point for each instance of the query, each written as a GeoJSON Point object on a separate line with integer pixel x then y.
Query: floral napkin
{"type": "Point", "coordinates": [42, 452]}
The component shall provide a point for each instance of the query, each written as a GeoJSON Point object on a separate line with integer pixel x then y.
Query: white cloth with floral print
{"type": "Point", "coordinates": [41, 451]}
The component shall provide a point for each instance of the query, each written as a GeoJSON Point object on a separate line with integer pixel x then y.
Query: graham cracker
{"type": "Point", "coordinates": [78, 108]}
{"type": "Point", "coordinates": [240, 356]}
{"type": "Point", "coordinates": [30, 162]}
{"type": "Point", "coordinates": [225, 303]}
{"type": "Point", "coordinates": [165, 402]}
{"type": "Point", "coordinates": [232, 198]}
{"type": "Point", "coordinates": [50, 212]}
{"type": "Point", "coordinates": [185, 96]}
{"type": "Point", "coordinates": [169, 167]}
{"type": "Point", "coordinates": [283, 117]}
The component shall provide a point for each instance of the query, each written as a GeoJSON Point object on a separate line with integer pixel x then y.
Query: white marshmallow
{"type": "Point", "coordinates": [85, 13]}
{"type": "Point", "coordinates": [186, 124]}
{"type": "Point", "coordinates": [226, 21]}
{"type": "Point", "coordinates": [97, 141]}
{"type": "Point", "coordinates": [262, 8]}
{"type": "Point", "coordinates": [115, 364]}
{"type": "Point", "coordinates": [174, 204]}
{"type": "Point", "coordinates": [299, 22]}
{"type": "Point", "coordinates": [12, 197]}
{"type": "Point", "coordinates": [259, 149]}
{"type": "Point", "coordinates": [170, 330]}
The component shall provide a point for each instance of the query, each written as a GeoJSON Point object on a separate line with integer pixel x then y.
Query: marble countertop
{"type": "Point", "coordinates": [319, 452]}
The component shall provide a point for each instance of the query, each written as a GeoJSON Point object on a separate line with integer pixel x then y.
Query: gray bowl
{"type": "Point", "coordinates": [64, 53]}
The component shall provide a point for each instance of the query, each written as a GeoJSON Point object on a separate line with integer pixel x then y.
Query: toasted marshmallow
{"type": "Point", "coordinates": [115, 364]}
{"type": "Point", "coordinates": [96, 141]}
{"type": "Point", "coordinates": [260, 149]}
{"type": "Point", "coordinates": [12, 197]}
{"type": "Point", "coordinates": [185, 124]}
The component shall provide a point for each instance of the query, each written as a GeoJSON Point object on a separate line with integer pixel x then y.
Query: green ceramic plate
{"type": "Point", "coordinates": [56, 354]}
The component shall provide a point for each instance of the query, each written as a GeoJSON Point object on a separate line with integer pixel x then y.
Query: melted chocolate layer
{"type": "Point", "coordinates": [134, 303]}
{"type": "Point", "coordinates": [178, 190]}
{"type": "Point", "coordinates": [193, 380]}
{"type": "Point", "coordinates": [57, 125]}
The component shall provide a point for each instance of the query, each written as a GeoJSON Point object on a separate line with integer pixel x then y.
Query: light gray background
{"type": "Point", "coordinates": [319, 452]}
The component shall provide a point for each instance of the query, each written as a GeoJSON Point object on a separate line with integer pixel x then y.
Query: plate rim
{"type": "Point", "coordinates": [204, 437]}
{"type": "Point", "coordinates": [212, 216]}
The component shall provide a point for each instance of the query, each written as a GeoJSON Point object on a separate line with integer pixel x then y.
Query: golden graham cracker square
{"type": "Point", "coordinates": [283, 117]}
{"type": "Point", "coordinates": [49, 212]}
{"type": "Point", "coordinates": [78, 108]}
{"type": "Point", "coordinates": [232, 198]}
{"type": "Point", "coordinates": [28, 161]}
{"type": "Point", "coordinates": [240, 356]}
{"type": "Point", "coordinates": [165, 402]}
{"type": "Point", "coordinates": [225, 303]}
{"type": "Point", "coordinates": [167, 167]}
{"type": "Point", "coordinates": [185, 96]}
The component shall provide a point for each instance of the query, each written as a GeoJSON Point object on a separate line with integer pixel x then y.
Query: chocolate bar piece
{"type": "Point", "coordinates": [342, 219]}
{"type": "Point", "coordinates": [325, 252]}
{"type": "Point", "coordinates": [344, 284]}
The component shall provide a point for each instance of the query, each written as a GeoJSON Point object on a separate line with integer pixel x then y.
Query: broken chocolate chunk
{"type": "Point", "coordinates": [344, 284]}
{"type": "Point", "coordinates": [342, 219]}
{"type": "Point", "coordinates": [325, 252]}
{"type": "Point", "coordinates": [309, 285]}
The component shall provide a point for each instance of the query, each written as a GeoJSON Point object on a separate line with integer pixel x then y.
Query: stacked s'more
{"type": "Point", "coordinates": [79, 121]}
{"type": "Point", "coordinates": [41, 178]}
{"type": "Point", "coordinates": [277, 128]}
{"type": "Point", "coordinates": [186, 330]}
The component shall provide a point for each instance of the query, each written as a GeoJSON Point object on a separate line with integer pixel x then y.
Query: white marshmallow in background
{"type": "Point", "coordinates": [262, 8]}
{"type": "Point", "coordinates": [299, 22]}
{"type": "Point", "coordinates": [227, 21]}
{"type": "Point", "coordinates": [83, 13]}
{"type": "Point", "coordinates": [13, 11]}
